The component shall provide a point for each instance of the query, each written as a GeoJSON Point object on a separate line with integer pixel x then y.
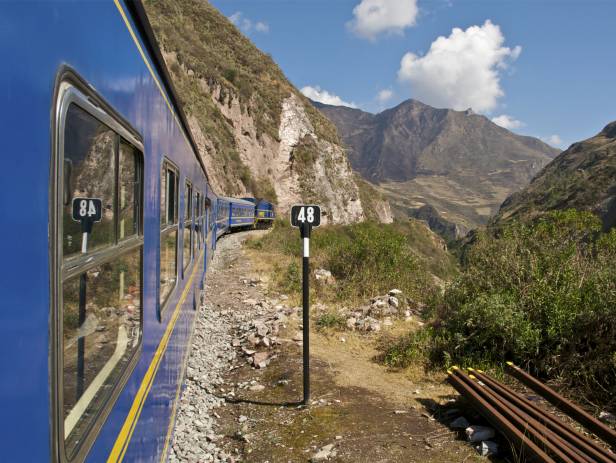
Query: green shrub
{"type": "Point", "coordinates": [366, 259]}
{"type": "Point", "coordinates": [331, 320]}
{"type": "Point", "coordinates": [291, 278]}
{"type": "Point", "coordinates": [542, 295]}
{"type": "Point", "coordinates": [371, 259]}
{"type": "Point", "coordinates": [230, 74]}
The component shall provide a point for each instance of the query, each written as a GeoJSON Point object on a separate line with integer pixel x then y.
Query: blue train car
{"type": "Point", "coordinates": [264, 213]}
{"type": "Point", "coordinates": [241, 213]}
{"type": "Point", "coordinates": [222, 216]}
{"type": "Point", "coordinates": [108, 223]}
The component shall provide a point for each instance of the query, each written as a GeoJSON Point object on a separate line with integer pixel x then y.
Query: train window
{"type": "Point", "coordinates": [89, 171]}
{"type": "Point", "coordinates": [195, 238]}
{"type": "Point", "coordinates": [188, 235]}
{"type": "Point", "coordinates": [129, 195]}
{"type": "Point", "coordinates": [169, 196]}
{"type": "Point", "coordinates": [102, 331]}
{"type": "Point", "coordinates": [198, 222]}
{"type": "Point", "coordinates": [99, 306]}
{"type": "Point", "coordinates": [169, 232]}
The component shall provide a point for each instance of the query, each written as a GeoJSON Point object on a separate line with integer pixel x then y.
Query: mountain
{"type": "Point", "coordinates": [459, 162]}
{"type": "Point", "coordinates": [583, 177]}
{"type": "Point", "coordinates": [256, 133]}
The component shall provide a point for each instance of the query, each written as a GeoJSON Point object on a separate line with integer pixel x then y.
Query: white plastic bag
{"type": "Point", "coordinates": [479, 433]}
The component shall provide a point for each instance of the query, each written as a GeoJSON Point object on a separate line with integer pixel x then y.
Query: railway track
{"type": "Point", "coordinates": [533, 433]}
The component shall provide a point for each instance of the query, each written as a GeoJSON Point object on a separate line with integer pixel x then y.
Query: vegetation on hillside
{"type": "Point", "coordinates": [365, 259]}
{"type": "Point", "coordinates": [205, 51]}
{"type": "Point", "coordinates": [541, 294]}
{"type": "Point", "coordinates": [583, 177]}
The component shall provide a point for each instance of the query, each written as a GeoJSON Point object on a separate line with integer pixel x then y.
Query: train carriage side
{"type": "Point", "coordinates": [222, 216]}
{"type": "Point", "coordinates": [241, 214]}
{"type": "Point", "coordinates": [94, 330]}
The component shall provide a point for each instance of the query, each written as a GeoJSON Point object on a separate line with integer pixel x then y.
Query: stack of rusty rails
{"type": "Point", "coordinates": [534, 434]}
{"type": "Point", "coordinates": [590, 422]}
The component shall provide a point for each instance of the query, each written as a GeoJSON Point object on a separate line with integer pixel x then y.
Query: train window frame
{"type": "Point", "coordinates": [167, 228]}
{"type": "Point", "coordinates": [198, 216]}
{"type": "Point", "coordinates": [71, 89]}
{"type": "Point", "coordinates": [188, 221]}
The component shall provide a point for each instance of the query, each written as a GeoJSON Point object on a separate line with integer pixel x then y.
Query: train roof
{"type": "Point", "coordinates": [243, 202]}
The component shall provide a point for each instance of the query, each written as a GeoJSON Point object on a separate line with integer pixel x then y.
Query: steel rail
{"type": "Point", "coordinates": [606, 433]}
{"type": "Point", "coordinates": [540, 434]}
{"type": "Point", "coordinates": [513, 434]}
{"type": "Point", "coordinates": [589, 447]}
{"type": "Point", "coordinates": [554, 442]}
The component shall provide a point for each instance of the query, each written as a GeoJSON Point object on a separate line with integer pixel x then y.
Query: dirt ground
{"type": "Point", "coordinates": [367, 413]}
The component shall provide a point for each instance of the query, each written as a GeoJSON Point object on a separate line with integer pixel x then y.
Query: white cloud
{"type": "Point", "coordinates": [323, 96]}
{"type": "Point", "coordinates": [384, 95]}
{"type": "Point", "coordinates": [507, 122]}
{"type": "Point", "coordinates": [374, 17]}
{"type": "Point", "coordinates": [553, 140]}
{"type": "Point", "coordinates": [261, 26]}
{"type": "Point", "coordinates": [246, 25]}
{"type": "Point", "coordinates": [460, 71]}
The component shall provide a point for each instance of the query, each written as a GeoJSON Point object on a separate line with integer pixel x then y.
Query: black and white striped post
{"type": "Point", "coordinates": [305, 217]}
{"type": "Point", "coordinates": [86, 211]}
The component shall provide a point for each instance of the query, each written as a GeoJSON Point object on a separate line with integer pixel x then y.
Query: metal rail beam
{"type": "Point", "coordinates": [513, 434]}
{"type": "Point", "coordinates": [543, 437]}
{"type": "Point", "coordinates": [554, 442]}
{"type": "Point", "coordinates": [604, 432]}
{"type": "Point", "coordinates": [588, 446]}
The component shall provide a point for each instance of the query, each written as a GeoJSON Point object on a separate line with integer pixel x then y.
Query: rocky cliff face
{"type": "Point", "coordinates": [583, 177]}
{"type": "Point", "coordinates": [458, 162]}
{"type": "Point", "coordinates": [256, 133]}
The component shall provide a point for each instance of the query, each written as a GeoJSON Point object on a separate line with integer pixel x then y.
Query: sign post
{"type": "Point", "coordinates": [305, 217]}
{"type": "Point", "coordinates": [86, 211]}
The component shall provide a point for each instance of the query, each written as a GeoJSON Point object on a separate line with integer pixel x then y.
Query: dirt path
{"type": "Point", "coordinates": [360, 412]}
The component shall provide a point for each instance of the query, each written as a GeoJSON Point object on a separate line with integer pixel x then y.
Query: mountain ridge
{"type": "Point", "coordinates": [459, 162]}
{"type": "Point", "coordinates": [582, 177]}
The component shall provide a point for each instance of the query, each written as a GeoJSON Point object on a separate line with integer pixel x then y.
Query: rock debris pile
{"type": "Point", "coordinates": [380, 312]}
{"type": "Point", "coordinates": [259, 336]}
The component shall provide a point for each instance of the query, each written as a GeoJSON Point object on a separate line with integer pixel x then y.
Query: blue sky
{"type": "Point", "coordinates": [541, 68]}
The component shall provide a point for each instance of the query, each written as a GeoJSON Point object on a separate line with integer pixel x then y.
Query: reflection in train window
{"type": "Point", "coordinates": [198, 222]}
{"type": "Point", "coordinates": [100, 304]}
{"type": "Point", "coordinates": [102, 330]}
{"type": "Point", "coordinates": [188, 225]}
{"type": "Point", "coordinates": [89, 171]}
{"type": "Point", "coordinates": [130, 187]}
{"type": "Point", "coordinates": [169, 232]}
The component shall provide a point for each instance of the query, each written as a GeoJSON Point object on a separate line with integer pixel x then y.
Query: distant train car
{"type": "Point", "coordinates": [109, 222]}
{"type": "Point", "coordinates": [241, 213]}
{"type": "Point", "coordinates": [264, 213]}
{"type": "Point", "coordinates": [222, 216]}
